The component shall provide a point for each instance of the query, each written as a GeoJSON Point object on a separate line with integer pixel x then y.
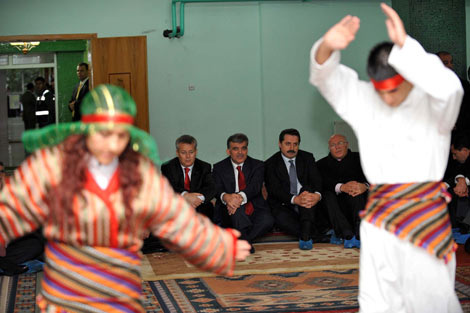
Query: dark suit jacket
{"type": "Point", "coordinates": [201, 178]}
{"type": "Point", "coordinates": [85, 89]}
{"type": "Point", "coordinates": [334, 171]}
{"type": "Point", "coordinates": [224, 178]}
{"type": "Point", "coordinates": [277, 177]}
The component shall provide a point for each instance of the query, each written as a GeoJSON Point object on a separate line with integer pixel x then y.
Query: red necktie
{"type": "Point", "coordinates": [186, 179]}
{"type": "Point", "coordinates": [249, 209]}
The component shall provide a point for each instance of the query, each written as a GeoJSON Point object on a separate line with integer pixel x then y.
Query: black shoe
{"type": "Point", "coordinates": [467, 245]}
{"type": "Point", "coordinates": [252, 249]}
{"type": "Point", "coordinates": [15, 271]}
{"type": "Point", "coordinates": [321, 239]}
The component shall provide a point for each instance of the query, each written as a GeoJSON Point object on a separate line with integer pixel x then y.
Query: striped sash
{"type": "Point", "coordinates": [416, 212]}
{"type": "Point", "coordinates": [90, 279]}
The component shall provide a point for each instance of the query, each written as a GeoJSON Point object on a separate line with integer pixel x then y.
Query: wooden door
{"type": "Point", "coordinates": [122, 61]}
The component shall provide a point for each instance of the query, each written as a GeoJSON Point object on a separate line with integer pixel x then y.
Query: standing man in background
{"type": "Point", "coordinates": [80, 90]}
{"type": "Point", "coordinates": [45, 103]}
{"type": "Point", "coordinates": [28, 100]}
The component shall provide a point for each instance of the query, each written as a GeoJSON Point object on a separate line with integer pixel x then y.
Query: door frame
{"type": "Point", "coordinates": [51, 37]}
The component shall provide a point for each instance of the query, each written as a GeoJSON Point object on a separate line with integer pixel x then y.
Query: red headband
{"type": "Point", "coordinates": [99, 118]}
{"type": "Point", "coordinates": [389, 83]}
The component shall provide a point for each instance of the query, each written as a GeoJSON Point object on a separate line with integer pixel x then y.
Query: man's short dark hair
{"type": "Point", "coordinates": [377, 64]}
{"type": "Point", "coordinates": [289, 131]}
{"type": "Point", "coordinates": [237, 138]}
{"type": "Point", "coordinates": [442, 53]}
{"type": "Point", "coordinates": [461, 140]}
{"type": "Point", "coordinates": [30, 86]}
{"type": "Point", "coordinates": [40, 79]}
{"type": "Point", "coordinates": [83, 64]}
{"type": "Point", "coordinates": [187, 139]}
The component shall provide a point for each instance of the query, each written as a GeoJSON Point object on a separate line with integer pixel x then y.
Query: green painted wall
{"type": "Point", "coordinates": [248, 62]}
{"type": "Point", "coordinates": [67, 74]}
{"type": "Point", "coordinates": [439, 26]}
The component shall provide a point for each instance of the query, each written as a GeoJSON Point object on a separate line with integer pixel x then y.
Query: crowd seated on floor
{"type": "Point", "coordinates": [312, 201]}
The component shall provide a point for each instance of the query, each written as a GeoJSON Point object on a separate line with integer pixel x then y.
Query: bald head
{"type": "Point", "coordinates": [338, 146]}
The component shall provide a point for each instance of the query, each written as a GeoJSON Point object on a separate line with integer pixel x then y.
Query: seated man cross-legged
{"type": "Point", "coordinates": [294, 184]}
{"type": "Point", "coordinates": [344, 189]}
{"type": "Point", "coordinates": [239, 180]}
{"type": "Point", "coordinates": [190, 176]}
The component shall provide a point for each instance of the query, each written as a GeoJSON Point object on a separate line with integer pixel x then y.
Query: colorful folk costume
{"type": "Point", "coordinates": [92, 255]}
{"type": "Point", "coordinates": [407, 252]}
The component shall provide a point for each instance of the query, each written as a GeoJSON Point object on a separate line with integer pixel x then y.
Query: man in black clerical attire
{"type": "Point", "coordinates": [344, 189]}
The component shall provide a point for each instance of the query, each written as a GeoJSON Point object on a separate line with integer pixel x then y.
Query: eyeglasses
{"type": "Point", "coordinates": [339, 144]}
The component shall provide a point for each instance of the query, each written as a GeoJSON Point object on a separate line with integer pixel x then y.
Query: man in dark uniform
{"type": "Point", "coordinates": [344, 189]}
{"type": "Point", "coordinates": [45, 103]}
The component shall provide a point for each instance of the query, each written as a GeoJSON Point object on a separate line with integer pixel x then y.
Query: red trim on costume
{"type": "Point", "coordinates": [113, 187]}
{"type": "Point", "coordinates": [116, 118]}
{"type": "Point", "coordinates": [389, 83]}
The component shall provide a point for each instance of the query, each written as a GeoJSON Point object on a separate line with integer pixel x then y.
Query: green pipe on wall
{"type": "Point", "coordinates": [177, 32]}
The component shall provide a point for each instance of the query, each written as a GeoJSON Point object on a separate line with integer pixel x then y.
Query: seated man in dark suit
{"type": "Point", "coordinates": [457, 178]}
{"type": "Point", "coordinates": [190, 176]}
{"type": "Point", "coordinates": [294, 189]}
{"type": "Point", "coordinates": [239, 179]}
{"type": "Point", "coordinates": [344, 189]}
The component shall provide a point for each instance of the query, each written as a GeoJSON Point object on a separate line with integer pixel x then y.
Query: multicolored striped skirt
{"type": "Point", "coordinates": [90, 279]}
{"type": "Point", "coordinates": [416, 212]}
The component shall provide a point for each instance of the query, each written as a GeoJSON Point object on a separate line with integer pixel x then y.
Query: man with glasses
{"type": "Point", "coordinates": [344, 189]}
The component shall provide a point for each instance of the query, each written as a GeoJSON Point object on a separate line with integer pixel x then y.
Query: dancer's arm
{"type": "Point", "coordinates": [192, 235]}
{"type": "Point", "coordinates": [23, 199]}
{"type": "Point", "coordinates": [338, 37]}
{"type": "Point", "coordinates": [424, 70]}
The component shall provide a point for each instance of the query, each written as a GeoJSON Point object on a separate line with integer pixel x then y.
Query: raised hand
{"type": "Point", "coordinates": [396, 29]}
{"type": "Point", "coordinates": [338, 37]}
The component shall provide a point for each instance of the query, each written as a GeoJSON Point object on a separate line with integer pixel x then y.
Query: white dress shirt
{"type": "Point", "coordinates": [101, 173]}
{"type": "Point", "coordinates": [241, 193]}
{"type": "Point", "coordinates": [189, 174]}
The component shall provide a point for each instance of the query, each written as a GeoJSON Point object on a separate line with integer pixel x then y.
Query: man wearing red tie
{"type": "Point", "coordinates": [239, 180]}
{"type": "Point", "coordinates": [80, 90]}
{"type": "Point", "coordinates": [190, 176]}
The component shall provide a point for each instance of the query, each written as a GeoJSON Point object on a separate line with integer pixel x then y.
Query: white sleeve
{"type": "Point", "coordinates": [340, 86]}
{"type": "Point", "coordinates": [426, 71]}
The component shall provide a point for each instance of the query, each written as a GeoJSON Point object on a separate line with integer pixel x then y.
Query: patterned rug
{"type": "Point", "coordinates": [269, 258]}
{"type": "Point", "coordinates": [288, 280]}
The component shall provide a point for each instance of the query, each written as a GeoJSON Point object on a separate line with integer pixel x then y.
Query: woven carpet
{"type": "Point", "coordinates": [277, 278]}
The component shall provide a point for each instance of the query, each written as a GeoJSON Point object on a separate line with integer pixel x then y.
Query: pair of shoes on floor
{"type": "Point", "coordinates": [459, 238]}
{"type": "Point", "coordinates": [305, 244]}
{"type": "Point", "coordinates": [352, 243]}
{"type": "Point", "coordinates": [34, 266]}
